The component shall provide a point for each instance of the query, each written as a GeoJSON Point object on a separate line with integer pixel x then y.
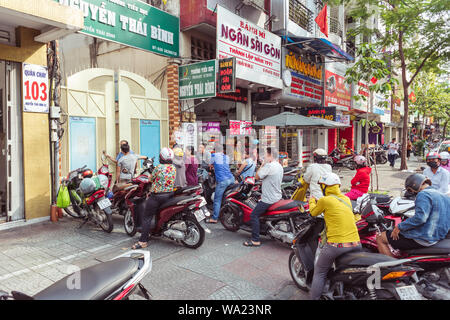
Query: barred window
{"type": "Point", "coordinates": [202, 50]}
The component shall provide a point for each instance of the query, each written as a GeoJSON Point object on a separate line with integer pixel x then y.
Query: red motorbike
{"type": "Point", "coordinates": [280, 221]}
{"type": "Point", "coordinates": [433, 261]}
{"type": "Point", "coordinates": [337, 159]}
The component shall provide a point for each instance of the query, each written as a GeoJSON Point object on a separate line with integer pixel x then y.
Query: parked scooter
{"type": "Point", "coordinates": [290, 179]}
{"type": "Point", "coordinates": [350, 277]}
{"type": "Point", "coordinates": [116, 279]}
{"type": "Point", "coordinates": [336, 159]}
{"type": "Point", "coordinates": [279, 222]}
{"type": "Point", "coordinates": [207, 179]}
{"type": "Point", "coordinates": [72, 181]}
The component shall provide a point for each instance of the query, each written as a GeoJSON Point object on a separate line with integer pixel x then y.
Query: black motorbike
{"type": "Point", "coordinates": [355, 275]}
{"type": "Point", "coordinates": [72, 181]}
{"type": "Point", "coordinates": [207, 179]}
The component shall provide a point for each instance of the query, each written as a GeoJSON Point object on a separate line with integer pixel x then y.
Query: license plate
{"type": "Point", "coordinates": [104, 203]}
{"type": "Point", "coordinates": [205, 211]}
{"type": "Point", "coordinates": [408, 293]}
{"type": "Point", "coordinates": [199, 215]}
{"type": "Point", "coordinates": [203, 203]}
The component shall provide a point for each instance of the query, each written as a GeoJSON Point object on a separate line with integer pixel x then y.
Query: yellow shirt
{"type": "Point", "coordinates": [339, 219]}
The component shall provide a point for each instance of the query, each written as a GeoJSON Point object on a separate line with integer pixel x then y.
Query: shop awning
{"type": "Point", "coordinates": [290, 119]}
{"type": "Point", "coordinates": [320, 46]}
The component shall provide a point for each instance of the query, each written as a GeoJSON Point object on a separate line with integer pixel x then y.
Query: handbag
{"type": "Point", "coordinates": [63, 198]}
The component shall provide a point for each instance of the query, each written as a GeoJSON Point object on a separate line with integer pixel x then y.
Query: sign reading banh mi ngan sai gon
{"type": "Point", "coordinates": [197, 80]}
{"type": "Point", "coordinates": [227, 75]}
{"type": "Point", "coordinates": [130, 22]}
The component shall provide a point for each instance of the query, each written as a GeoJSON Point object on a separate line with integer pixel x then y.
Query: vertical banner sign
{"type": "Point", "coordinates": [257, 51]}
{"type": "Point", "coordinates": [190, 135]}
{"type": "Point", "coordinates": [235, 127]}
{"type": "Point", "coordinates": [197, 80]}
{"type": "Point", "coordinates": [227, 75]}
{"type": "Point", "coordinates": [337, 91]}
{"type": "Point", "coordinates": [35, 88]}
{"type": "Point", "coordinates": [131, 22]}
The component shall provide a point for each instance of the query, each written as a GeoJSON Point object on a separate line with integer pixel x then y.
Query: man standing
{"type": "Point", "coordinates": [439, 176]}
{"type": "Point", "coordinates": [224, 178]}
{"type": "Point", "coordinates": [392, 152]}
{"type": "Point", "coordinates": [271, 174]}
{"type": "Point", "coordinates": [126, 165]}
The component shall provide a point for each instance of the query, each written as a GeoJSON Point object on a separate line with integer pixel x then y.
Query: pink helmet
{"type": "Point", "coordinates": [166, 154]}
{"type": "Point", "coordinates": [360, 160]}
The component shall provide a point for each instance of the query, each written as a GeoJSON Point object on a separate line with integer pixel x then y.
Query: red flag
{"type": "Point", "coordinates": [412, 97]}
{"type": "Point", "coordinates": [322, 21]}
{"type": "Point", "coordinates": [374, 80]}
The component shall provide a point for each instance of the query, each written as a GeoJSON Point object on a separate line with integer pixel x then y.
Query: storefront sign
{"type": "Point", "coordinates": [209, 126]}
{"type": "Point", "coordinates": [257, 51]}
{"type": "Point", "coordinates": [361, 89]}
{"type": "Point", "coordinates": [240, 127]}
{"type": "Point", "coordinates": [240, 95]}
{"type": "Point", "coordinates": [327, 113]}
{"type": "Point", "coordinates": [377, 107]}
{"type": "Point", "coordinates": [342, 118]}
{"type": "Point", "coordinates": [305, 79]}
{"type": "Point", "coordinates": [227, 75]}
{"type": "Point", "coordinates": [35, 88]}
{"type": "Point", "coordinates": [337, 91]}
{"type": "Point", "coordinates": [189, 134]}
{"type": "Point", "coordinates": [131, 22]}
{"type": "Point", "coordinates": [197, 80]}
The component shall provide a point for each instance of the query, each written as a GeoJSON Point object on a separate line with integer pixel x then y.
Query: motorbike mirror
{"type": "Point", "coordinates": [103, 158]}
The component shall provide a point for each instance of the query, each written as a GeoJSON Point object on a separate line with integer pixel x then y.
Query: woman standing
{"type": "Point", "coordinates": [191, 166]}
{"type": "Point", "coordinates": [178, 162]}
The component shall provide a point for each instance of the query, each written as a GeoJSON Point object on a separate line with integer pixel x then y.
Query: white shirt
{"type": "Point", "coordinates": [312, 176]}
{"type": "Point", "coordinates": [439, 180]}
{"type": "Point", "coordinates": [272, 175]}
{"type": "Point", "coordinates": [392, 148]}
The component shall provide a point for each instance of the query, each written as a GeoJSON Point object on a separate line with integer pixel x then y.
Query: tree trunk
{"type": "Point", "coordinates": [444, 131]}
{"type": "Point", "coordinates": [403, 165]}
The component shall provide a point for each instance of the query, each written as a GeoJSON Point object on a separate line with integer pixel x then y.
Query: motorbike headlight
{"type": "Point", "coordinates": [103, 180]}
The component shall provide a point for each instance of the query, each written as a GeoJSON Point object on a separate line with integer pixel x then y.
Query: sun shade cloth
{"type": "Point", "coordinates": [320, 46]}
{"type": "Point", "coordinates": [290, 119]}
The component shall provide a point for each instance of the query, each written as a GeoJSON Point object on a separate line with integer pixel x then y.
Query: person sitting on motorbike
{"type": "Point", "coordinates": [247, 168]}
{"type": "Point", "coordinates": [437, 175]}
{"type": "Point", "coordinates": [315, 171]}
{"type": "Point", "coordinates": [361, 181]}
{"type": "Point", "coordinates": [445, 157]}
{"type": "Point", "coordinates": [271, 174]}
{"type": "Point", "coordinates": [162, 182]}
{"type": "Point", "coordinates": [430, 223]}
{"type": "Point", "coordinates": [341, 231]}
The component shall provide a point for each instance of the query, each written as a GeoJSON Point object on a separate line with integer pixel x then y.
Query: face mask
{"type": "Point", "coordinates": [433, 164]}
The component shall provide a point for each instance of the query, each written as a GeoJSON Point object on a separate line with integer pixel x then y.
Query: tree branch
{"type": "Point", "coordinates": [423, 62]}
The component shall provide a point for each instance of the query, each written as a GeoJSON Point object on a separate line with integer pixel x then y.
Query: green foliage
{"type": "Point", "coordinates": [419, 147]}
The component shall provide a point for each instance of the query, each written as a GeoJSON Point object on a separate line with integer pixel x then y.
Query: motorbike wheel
{"type": "Point", "coordinates": [195, 234]}
{"type": "Point", "coordinates": [288, 192]}
{"type": "Point", "coordinates": [297, 272]}
{"type": "Point", "coordinates": [129, 223]}
{"type": "Point", "coordinates": [350, 165]}
{"type": "Point", "coordinates": [229, 218]}
{"type": "Point", "coordinates": [107, 224]}
{"type": "Point", "coordinates": [382, 159]}
{"type": "Point", "coordinates": [75, 210]}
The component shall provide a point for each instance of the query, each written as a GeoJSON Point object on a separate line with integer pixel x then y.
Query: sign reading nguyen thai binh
{"type": "Point", "coordinates": [131, 22]}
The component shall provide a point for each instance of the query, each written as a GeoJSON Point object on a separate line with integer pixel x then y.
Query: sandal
{"type": "Point", "coordinates": [251, 244]}
{"type": "Point", "coordinates": [210, 220]}
{"type": "Point", "coordinates": [137, 246]}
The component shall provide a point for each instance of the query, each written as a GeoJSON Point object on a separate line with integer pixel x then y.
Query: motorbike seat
{"type": "Point", "coordinates": [121, 186]}
{"type": "Point", "coordinates": [380, 198]}
{"type": "Point", "coordinates": [96, 282]}
{"type": "Point", "coordinates": [288, 178]}
{"type": "Point", "coordinates": [283, 205]}
{"type": "Point", "coordinates": [442, 247]}
{"type": "Point", "coordinates": [173, 201]}
{"type": "Point", "coordinates": [187, 190]}
{"type": "Point", "coordinates": [361, 258]}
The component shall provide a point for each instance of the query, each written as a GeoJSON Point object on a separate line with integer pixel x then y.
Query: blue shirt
{"type": "Point", "coordinates": [439, 180]}
{"type": "Point", "coordinates": [221, 164]}
{"type": "Point", "coordinates": [120, 155]}
{"type": "Point", "coordinates": [249, 170]}
{"type": "Point", "coordinates": [431, 222]}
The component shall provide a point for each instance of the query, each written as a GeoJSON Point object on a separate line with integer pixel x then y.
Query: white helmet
{"type": "Point", "coordinates": [445, 155]}
{"type": "Point", "coordinates": [320, 152]}
{"type": "Point", "coordinates": [166, 154]}
{"type": "Point", "coordinates": [330, 179]}
{"type": "Point", "coordinates": [360, 160]}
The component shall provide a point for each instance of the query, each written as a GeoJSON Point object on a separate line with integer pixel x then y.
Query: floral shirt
{"type": "Point", "coordinates": [163, 178]}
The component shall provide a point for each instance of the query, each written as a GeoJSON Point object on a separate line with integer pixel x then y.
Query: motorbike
{"type": "Point", "coordinates": [116, 279]}
{"type": "Point", "coordinates": [207, 179]}
{"type": "Point", "coordinates": [97, 205]}
{"type": "Point", "coordinates": [353, 274]}
{"type": "Point", "coordinates": [280, 221]}
{"type": "Point", "coordinates": [336, 159]}
{"type": "Point", "coordinates": [290, 180]}
{"type": "Point", "coordinates": [180, 219]}
{"type": "Point", "coordinates": [72, 181]}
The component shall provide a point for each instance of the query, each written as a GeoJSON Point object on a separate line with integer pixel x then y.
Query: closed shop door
{"type": "Point", "coordinates": [150, 139]}
{"type": "Point", "coordinates": [82, 143]}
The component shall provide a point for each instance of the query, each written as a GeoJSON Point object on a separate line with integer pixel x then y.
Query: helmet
{"type": "Point", "coordinates": [320, 155]}
{"type": "Point", "coordinates": [103, 180]}
{"type": "Point", "coordinates": [87, 186]}
{"type": "Point", "coordinates": [330, 179]}
{"type": "Point", "coordinates": [445, 155]}
{"type": "Point", "coordinates": [433, 155]}
{"type": "Point", "coordinates": [360, 160]}
{"type": "Point", "coordinates": [87, 173]}
{"type": "Point", "coordinates": [166, 154]}
{"type": "Point", "coordinates": [415, 181]}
